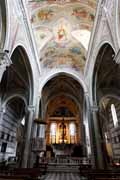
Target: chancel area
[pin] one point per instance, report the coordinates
(60, 89)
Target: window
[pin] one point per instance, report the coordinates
(53, 133)
(3, 147)
(114, 115)
(8, 136)
(2, 135)
(53, 129)
(72, 129)
(23, 121)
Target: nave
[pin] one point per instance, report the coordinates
(62, 176)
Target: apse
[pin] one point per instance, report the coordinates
(62, 110)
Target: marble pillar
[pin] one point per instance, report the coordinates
(88, 123)
(99, 159)
(27, 137)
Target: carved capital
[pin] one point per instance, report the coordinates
(4, 58)
(94, 108)
(31, 108)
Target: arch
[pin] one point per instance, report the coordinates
(14, 95)
(69, 73)
(90, 63)
(26, 62)
(103, 83)
(110, 96)
(67, 95)
(14, 111)
(97, 65)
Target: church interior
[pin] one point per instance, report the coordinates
(59, 89)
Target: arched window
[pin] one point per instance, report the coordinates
(72, 129)
(23, 121)
(114, 115)
(53, 129)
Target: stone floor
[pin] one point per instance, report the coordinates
(62, 176)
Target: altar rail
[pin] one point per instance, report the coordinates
(70, 160)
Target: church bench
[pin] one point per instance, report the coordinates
(31, 172)
(99, 174)
(22, 173)
(16, 177)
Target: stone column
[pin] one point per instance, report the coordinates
(4, 62)
(42, 125)
(35, 126)
(2, 111)
(34, 133)
(88, 128)
(99, 159)
(27, 137)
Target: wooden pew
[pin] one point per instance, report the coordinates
(14, 177)
(99, 174)
(23, 173)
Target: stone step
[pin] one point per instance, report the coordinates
(63, 176)
(62, 168)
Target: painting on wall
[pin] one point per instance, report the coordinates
(62, 31)
(82, 12)
(42, 36)
(70, 57)
(79, 12)
(43, 15)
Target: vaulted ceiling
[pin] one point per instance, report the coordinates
(62, 31)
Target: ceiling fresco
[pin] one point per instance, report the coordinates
(62, 31)
(59, 104)
(55, 55)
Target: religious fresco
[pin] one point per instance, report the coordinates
(56, 56)
(62, 31)
(54, 12)
(42, 36)
(42, 15)
(79, 13)
(37, 3)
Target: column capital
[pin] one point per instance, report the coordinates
(94, 108)
(86, 94)
(31, 108)
(4, 58)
